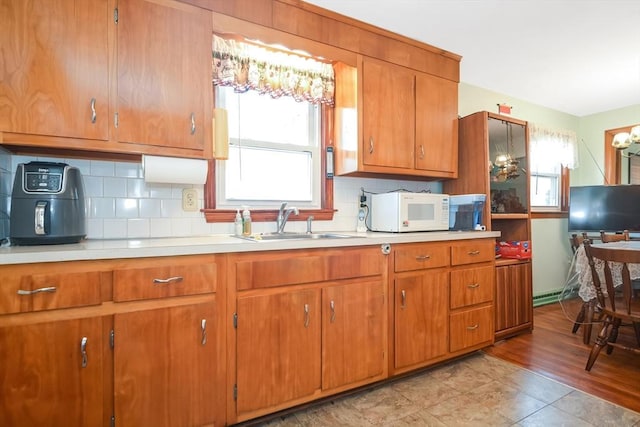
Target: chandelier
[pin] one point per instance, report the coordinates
(623, 140)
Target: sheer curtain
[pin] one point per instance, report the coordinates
(278, 72)
(550, 147)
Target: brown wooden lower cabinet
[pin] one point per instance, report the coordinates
(278, 348)
(51, 374)
(514, 299)
(164, 366)
(421, 317)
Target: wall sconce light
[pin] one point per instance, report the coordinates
(623, 140)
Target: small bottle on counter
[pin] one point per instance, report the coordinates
(246, 221)
(238, 226)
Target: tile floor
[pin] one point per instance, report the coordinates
(479, 390)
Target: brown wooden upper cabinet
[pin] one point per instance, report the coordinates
(408, 121)
(128, 78)
(164, 73)
(54, 79)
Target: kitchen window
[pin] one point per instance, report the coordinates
(279, 110)
(552, 153)
(274, 151)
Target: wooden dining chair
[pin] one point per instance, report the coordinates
(617, 307)
(576, 240)
(614, 237)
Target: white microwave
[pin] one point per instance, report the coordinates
(399, 212)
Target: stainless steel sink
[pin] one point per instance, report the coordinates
(295, 236)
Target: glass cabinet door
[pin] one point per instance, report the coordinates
(508, 167)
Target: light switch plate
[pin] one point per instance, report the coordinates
(189, 200)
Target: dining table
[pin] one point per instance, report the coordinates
(581, 264)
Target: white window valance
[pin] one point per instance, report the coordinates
(245, 66)
(548, 146)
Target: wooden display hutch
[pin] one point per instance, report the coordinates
(492, 161)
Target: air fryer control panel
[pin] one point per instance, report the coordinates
(40, 178)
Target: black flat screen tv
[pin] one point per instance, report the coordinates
(604, 207)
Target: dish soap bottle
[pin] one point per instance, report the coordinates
(238, 227)
(246, 221)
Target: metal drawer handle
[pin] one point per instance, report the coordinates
(94, 116)
(83, 351)
(473, 328)
(332, 306)
(421, 151)
(49, 289)
(473, 286)
(423, 257)
(371, 145)
(474, 253)
(403, 299)
(307, 319)
(193, 123)
(203, 327)
(175, 279)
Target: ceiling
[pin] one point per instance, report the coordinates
(579, 57)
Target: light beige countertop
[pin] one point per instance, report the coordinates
(95, 249)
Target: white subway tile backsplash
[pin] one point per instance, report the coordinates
(121, 205)
(115, 229)
(102, 168)
(136, 188)
(160, 227)
(115, 187)
(138, 227)
(150, 208)
(128, 170)
(102, 207)
(93, 186)
(127, 208)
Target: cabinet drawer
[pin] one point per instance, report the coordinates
(470, 328)
(417, 257)
(291, 268)
(22, 290)
(189, 277)
(470, 251)
(472, 286)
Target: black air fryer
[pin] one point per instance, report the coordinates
(47, 204)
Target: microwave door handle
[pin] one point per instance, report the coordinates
(39, 218)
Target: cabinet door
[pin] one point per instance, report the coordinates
(54, 68)
(353, 327)
(164, 73)
(48, 378)
(165, 365)
(436, 125)
(514, 296)
(278, 348)
(388, 115)
(421, 317)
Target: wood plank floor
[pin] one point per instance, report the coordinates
(553, 351)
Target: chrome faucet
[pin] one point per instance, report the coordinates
(283, 215)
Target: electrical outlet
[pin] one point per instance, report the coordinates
(189, 199)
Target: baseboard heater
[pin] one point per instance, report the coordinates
(548, 298)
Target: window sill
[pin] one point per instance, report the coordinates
(549, 214)
(219, 215)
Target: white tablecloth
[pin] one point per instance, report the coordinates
(587, 292)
